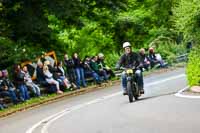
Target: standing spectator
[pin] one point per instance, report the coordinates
(103, 66)
(61, 75)
(7, 89)
(50, 80)
(69, 64)
(20, 83)
(29, 82)
(89, 72)
(79, 71)
(101, 72)
(144, 59)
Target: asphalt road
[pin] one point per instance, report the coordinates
(108, 111)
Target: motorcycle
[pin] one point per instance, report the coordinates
(132, 86)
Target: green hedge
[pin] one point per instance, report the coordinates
(193, 67)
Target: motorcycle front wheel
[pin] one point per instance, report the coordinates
(130, 91)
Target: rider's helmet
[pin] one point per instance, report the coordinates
(126, 44)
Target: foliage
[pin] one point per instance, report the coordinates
(86, 26)
(193, 73)
(186, 19)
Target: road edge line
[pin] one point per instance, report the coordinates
(179, 94)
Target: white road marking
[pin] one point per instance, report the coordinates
(179, 94)
(47, 121)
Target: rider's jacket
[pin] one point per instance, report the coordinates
(129, 60)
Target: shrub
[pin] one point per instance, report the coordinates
(193, 67)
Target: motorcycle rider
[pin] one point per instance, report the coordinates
(129, 60)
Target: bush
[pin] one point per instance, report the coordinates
(193, 66)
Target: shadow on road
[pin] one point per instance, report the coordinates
(155, 96)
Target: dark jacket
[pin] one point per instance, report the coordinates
(8, 83)
(77, 63)
(94, 66)
(40, 75)
(87, 67)
(60, 71)
(152, 57)
(128, 61)
(1, 85)
(143, 57)
(19, 78)
(69, 64)
(101, 64)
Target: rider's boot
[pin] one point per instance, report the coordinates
(141, 90)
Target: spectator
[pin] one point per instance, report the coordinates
(153, 59)
(69, 64)
(103, 66)
(52, 69)
(40, 75)
(50, 80)
(20, 83)
(7, 89)
(79, 71)
(61, 75)
(144, 59)
(42, 80)
(101, 72)
(1, 106)
(29, 83)
(89, 72)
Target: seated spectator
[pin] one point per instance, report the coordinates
(144, 59)
(101, 72)
(89, 72)
(29, 83)
(7, 89)
(20, 83)
(61, 75)
(40, 75)
(80, 77)
(153, 59)
(53, 70)
(42, 80)
(103, 66)
(1, 106)
(50, 80)
(69, 64)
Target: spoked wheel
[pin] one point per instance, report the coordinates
(130, 92)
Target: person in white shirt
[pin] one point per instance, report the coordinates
(50, 80)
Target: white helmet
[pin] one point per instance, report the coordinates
(126, 44)
(101, 55)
